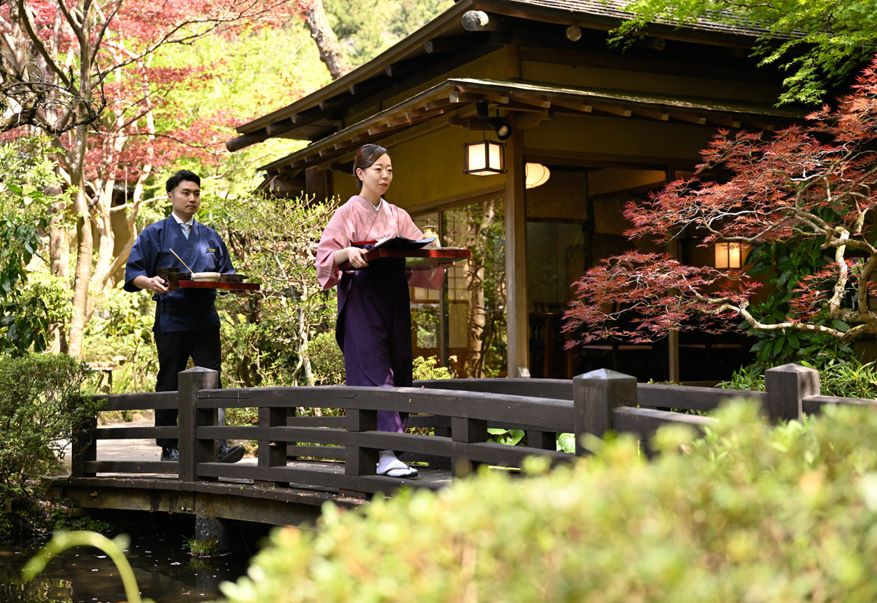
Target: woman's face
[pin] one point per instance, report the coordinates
(377, 177)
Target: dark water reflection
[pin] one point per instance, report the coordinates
(158, 553)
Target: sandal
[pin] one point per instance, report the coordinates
(399, 469)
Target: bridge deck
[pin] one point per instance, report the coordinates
(227, 497)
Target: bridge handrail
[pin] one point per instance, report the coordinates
(460, 411)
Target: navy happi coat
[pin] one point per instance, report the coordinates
(203, 251)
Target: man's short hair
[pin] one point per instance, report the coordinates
(182, 176)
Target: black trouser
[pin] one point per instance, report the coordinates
(174, 351)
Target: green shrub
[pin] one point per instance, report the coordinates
(746, 513)
(326, 359)
(428, 368)
(120, 335)
(849, 378)
(40, 406)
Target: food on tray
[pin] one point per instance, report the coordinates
(206, 276)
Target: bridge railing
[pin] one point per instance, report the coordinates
(453, 417)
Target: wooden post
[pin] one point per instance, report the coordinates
(595, 395)
(83, 448)
(272, 453)
(212, 533)
(192, 450)
(517, 315)
(544, 440)
(466, 431)
(358, 460)
(787, 386)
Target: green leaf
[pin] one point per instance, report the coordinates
(840, 325)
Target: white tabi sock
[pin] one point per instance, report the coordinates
(386, 458)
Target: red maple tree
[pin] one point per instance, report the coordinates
(88, 73)
(816, 180)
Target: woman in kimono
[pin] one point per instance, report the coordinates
(374, 314)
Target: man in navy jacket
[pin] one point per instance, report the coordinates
(186, 321)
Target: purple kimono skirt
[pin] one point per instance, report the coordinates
(374, 331)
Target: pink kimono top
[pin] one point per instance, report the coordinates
(358, 220)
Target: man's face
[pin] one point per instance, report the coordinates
(185, 199)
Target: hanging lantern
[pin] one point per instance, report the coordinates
(484, 158)
(535, 174)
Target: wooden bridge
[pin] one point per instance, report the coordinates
(305, 460)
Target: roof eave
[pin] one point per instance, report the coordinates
(453, 94)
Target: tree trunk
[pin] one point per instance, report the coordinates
(477, 311)
(84, 254)
(327, 42)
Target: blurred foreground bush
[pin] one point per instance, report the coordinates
(746, 513)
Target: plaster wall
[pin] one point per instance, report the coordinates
(428, 171)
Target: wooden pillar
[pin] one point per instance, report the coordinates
(466, 431)
(358, 460)
(272, 453)
(517, 327)
(517, 316)
(318, 183)
(787, 386)
(595, 395)
(212, 534)
(83, 447)
(192, 450)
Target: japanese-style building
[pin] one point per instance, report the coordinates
(581, 128)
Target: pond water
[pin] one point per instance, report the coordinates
(158, 553)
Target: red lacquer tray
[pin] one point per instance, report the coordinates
(417, 259)
(182, 284)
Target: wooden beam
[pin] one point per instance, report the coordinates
(574, 105)
(532, 120)
(478, 20)
(303, 119)
(367, 87)
(690, 118)
(760, 124)
(330, 104)
(613, 110)
(403, 67)
(652, 113)
(727, 121)
(279, 127)
(652, 43)
(236, 144)
(445, 45)
(456, 97)
(539, 102)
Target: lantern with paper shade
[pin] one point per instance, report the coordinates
(484, 158)
(730, 255)
(535, 174)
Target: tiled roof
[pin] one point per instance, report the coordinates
(724, 22)
(308, 119)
